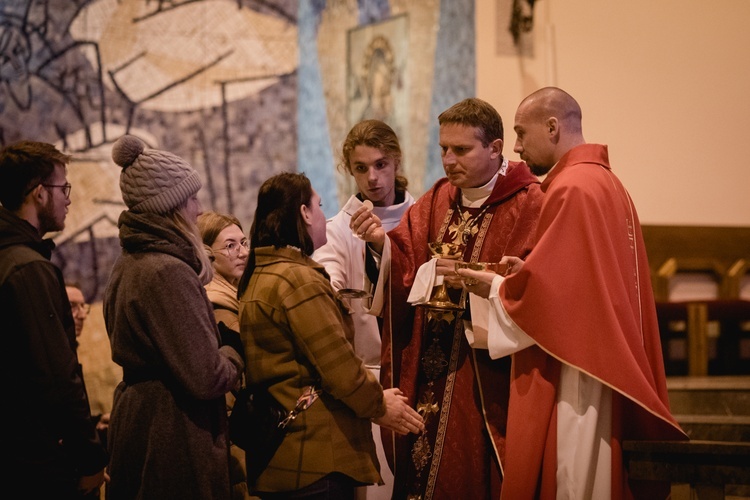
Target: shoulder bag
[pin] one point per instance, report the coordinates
(258, 424)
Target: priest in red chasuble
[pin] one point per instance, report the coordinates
(578, 319)
(486, 207)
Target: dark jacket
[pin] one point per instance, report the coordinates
(49, 434)
(168, 433)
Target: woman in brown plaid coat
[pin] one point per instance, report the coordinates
(297, 333)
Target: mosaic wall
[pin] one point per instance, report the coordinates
(242, 89)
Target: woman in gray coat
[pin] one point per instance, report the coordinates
(168, 429)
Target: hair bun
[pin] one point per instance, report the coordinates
(127, 149)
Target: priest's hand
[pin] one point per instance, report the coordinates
(480, 282)
(514, 264)
(447, 268)
(476, 282)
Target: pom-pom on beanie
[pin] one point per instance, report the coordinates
(152, 180)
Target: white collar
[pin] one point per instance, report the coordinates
(474, 197)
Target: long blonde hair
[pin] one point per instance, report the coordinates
(191, 232)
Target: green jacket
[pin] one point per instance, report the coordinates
(296, 331)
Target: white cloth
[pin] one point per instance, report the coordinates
(584, 405)
(374, 491)
(584, 453)
(424, 281)
(384, 273)
(488, 315)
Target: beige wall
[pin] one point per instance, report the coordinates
(665, 83)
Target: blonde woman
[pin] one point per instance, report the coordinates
(168, 433)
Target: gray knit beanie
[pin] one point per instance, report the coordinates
(152, 180)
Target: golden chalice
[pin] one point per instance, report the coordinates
(440, 298)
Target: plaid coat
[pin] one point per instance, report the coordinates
(296, 331)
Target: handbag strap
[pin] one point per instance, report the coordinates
(308, 397)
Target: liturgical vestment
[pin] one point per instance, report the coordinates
(580, 311)
(461, 393)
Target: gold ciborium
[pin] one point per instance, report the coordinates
(440, 298)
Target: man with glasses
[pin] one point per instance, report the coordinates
(95, 357)
(53, 447)
(78, 306)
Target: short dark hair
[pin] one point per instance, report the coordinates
(278, 221)
(23, 166)
(474, 112)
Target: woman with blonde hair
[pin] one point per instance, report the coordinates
(168, 433)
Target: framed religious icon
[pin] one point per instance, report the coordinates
(377, 72)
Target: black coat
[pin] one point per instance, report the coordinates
(49, 433)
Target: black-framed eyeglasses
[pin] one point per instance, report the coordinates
(76, 306)
(233, 248)
(65, 187)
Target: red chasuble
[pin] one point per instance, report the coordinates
(584, 295)
(461, 392)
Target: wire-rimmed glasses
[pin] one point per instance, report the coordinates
(234, 248)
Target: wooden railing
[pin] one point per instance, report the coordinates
(722, 253)
(710, 335)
